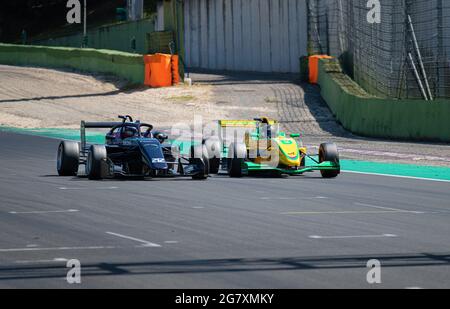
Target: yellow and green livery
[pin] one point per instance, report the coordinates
(245, 147)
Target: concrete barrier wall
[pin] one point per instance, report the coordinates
(125, 65)
(113, 37)
(366, 115)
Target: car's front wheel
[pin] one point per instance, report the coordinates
(329, 153)
(199, 158)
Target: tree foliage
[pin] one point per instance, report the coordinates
(43, 16)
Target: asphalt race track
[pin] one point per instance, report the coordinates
(294, 232)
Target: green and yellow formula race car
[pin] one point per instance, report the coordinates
(246, 147)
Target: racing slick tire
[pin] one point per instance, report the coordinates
(96, 157)
(213, 149)
(329, 152)
(202, 161)
(68, 158)
(236, 157)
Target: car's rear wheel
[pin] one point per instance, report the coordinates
(329, 153)
(199, 158)
(68, 158)
(236, 158)
(214, 152)
(96, 158)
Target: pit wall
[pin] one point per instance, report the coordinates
(125, 65)
(371, 116)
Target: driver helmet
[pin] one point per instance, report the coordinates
(128, 132)
(160, 136)
(273, 129)
(268, 131)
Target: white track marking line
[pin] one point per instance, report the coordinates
(55, 260)
(321, 197)
(388, 208)
(56, 249)
(43, 212)
(60, 259)
(382, 210)
(390, 154)
(346, 212)
(144, 242)
(396, 176)
(88, 188)
(353, 236)
(171, 242)
(293, 198)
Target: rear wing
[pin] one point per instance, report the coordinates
(238, 123)
(243, 123)
(235, 125)
(94, 125)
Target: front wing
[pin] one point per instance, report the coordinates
(311, 166)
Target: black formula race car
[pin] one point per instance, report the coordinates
(132, 149)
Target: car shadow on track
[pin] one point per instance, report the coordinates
(310, 176)
(269, 176)
(77, 96)
(121, 179)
